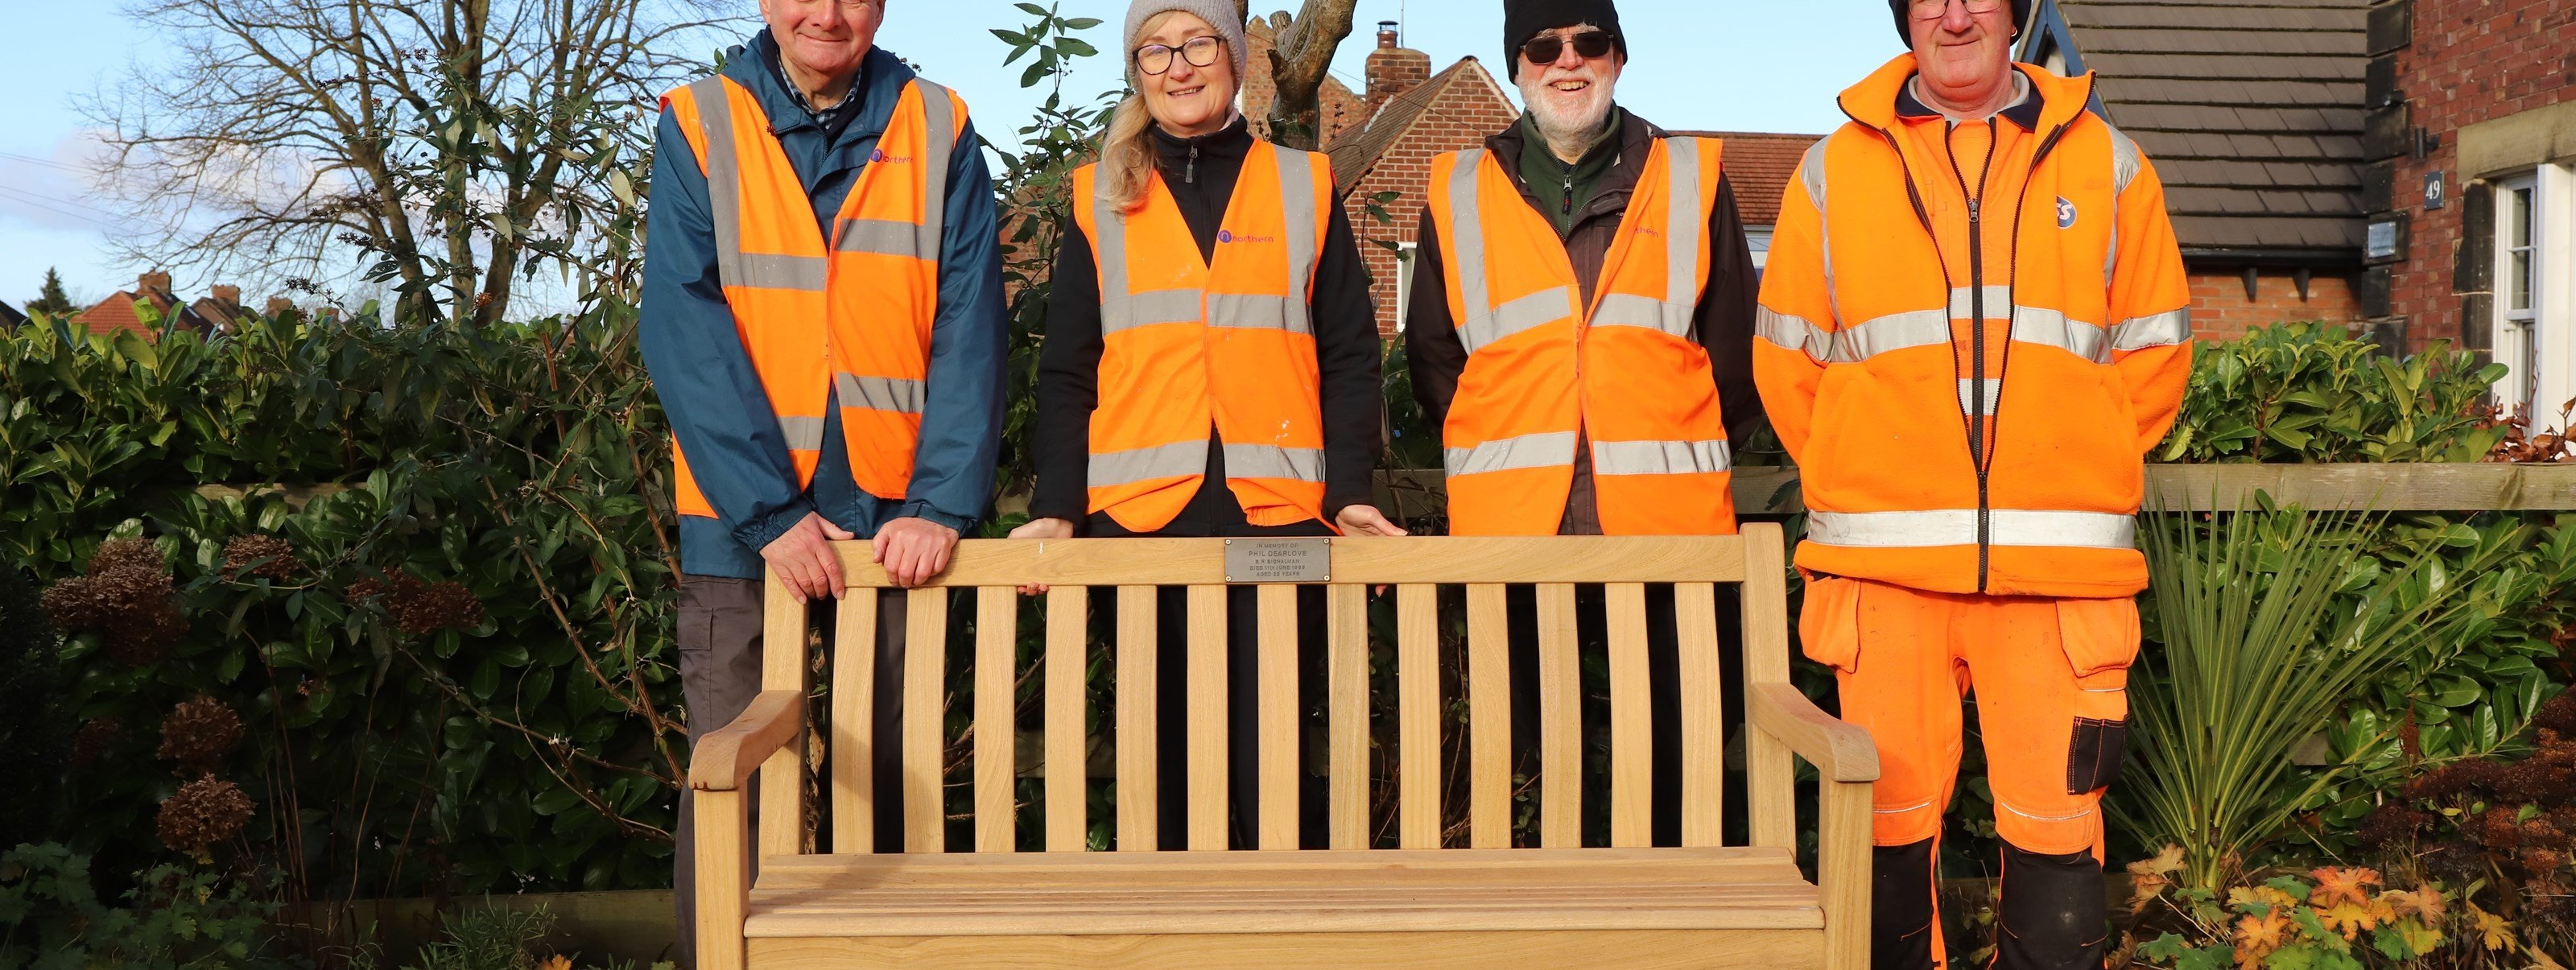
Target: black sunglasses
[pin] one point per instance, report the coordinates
(1591, 45)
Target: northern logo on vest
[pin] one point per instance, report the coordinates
(1228, 236)
(880, 156)
(2065, 213)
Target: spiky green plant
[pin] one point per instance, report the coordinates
(2270, 622)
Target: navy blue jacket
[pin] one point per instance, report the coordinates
(705, 378)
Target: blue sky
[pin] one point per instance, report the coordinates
(1735, 65)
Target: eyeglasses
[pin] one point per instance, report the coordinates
(1934, 9)
(1591, 45)
(1199, 51)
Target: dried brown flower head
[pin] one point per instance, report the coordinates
(202, 813)
(280, 563)
(198, 733)
(423, 608)
(93, 739)
(126, 598)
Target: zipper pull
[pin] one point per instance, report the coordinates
(1972, 211)
(1567, 208)
(1192, 176)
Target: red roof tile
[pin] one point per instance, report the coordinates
(1760, 166)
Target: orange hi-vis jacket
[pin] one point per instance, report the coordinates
(1545, 372)
(1188, 345)
(1970, 336)
(847, 318)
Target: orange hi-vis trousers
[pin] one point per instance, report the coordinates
(2050, 677)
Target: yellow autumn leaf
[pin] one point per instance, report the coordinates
(2341, 885)
(2493, 930)
(2348, 919)
(556, 962)
(2164, 863)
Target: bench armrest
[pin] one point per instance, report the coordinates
(1840, 751)
(724, 761)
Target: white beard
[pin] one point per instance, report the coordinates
(1568, 135)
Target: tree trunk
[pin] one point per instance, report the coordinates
(1299, 63)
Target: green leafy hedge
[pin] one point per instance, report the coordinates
(453, 675)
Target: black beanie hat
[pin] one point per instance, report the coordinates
(1524, 19)
(1905, 31)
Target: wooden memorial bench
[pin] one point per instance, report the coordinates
(1428, 893)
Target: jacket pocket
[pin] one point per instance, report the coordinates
(1829, 622)
(2100, 637)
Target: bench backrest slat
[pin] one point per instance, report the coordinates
(1068, 660)
(997, 640)
(1418, 715)
(852, 750)
(1139, 715)
(1420, 711)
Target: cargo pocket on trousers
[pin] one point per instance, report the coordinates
(1829, 622)
(2100, 637)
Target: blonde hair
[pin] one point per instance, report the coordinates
(1127, 148)
(1127, 155)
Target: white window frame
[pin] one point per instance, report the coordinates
(1403, 282)
(1758, 238)
(2537, 342)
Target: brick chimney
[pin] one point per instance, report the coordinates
(228, 295)
(1392, 69)
(155, 281)
(278, 305)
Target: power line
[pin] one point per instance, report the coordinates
(12, 195)
(33, 160)
(40, 194)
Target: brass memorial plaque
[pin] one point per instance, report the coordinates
(1278, 560)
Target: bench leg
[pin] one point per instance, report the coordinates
(724, 877)
(1843, 871)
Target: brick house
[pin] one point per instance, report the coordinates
(2471, 184)
(206, 315)
(2251, 115)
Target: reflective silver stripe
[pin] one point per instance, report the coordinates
(1998, 302)
(881, 393)
(802, 434)
(940, 116)
(1271, 461)
(1631, 310)
(1545, 450)
(1660, 457)
(1253, 312)
(2049, 328)
(1537, 309)
(2159, 330)
(1958, 527)
(771, 271)
(1147, 464)
(1895, 331)
(2125, 160)
(1468, 238)
(1682, 233)
(1144, 309)
(1297, 195)
(1969, 403)
(1812, 170)
(1793, 333)
(885, 237)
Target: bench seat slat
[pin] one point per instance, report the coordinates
(1361, 891)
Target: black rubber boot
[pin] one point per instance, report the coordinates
(2055, 914)
(1901, 907)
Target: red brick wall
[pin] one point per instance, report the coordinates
(2220, 310)
(2467, 61)
(1462, 116)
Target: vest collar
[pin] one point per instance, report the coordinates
(1878, 101)
(2024, 109)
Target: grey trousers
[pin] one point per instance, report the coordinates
(719, 639)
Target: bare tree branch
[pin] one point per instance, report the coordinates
(440, 149)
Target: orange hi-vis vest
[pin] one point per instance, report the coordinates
(1970, 383)
(1545, 372)
(1188, 345)
(844, 319)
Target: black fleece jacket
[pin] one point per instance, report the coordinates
(1200, 173)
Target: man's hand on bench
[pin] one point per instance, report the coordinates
(804, 559)
(914, 551)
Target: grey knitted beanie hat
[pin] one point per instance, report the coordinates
(1218, 13)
